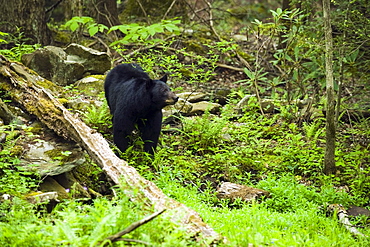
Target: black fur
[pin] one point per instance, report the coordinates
(135, 99)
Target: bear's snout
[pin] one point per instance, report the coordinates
(172, 99)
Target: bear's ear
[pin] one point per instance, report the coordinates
(164, 78)
(149, 83)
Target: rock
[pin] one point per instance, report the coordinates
(94, 62)
(50, 63)
(182, 107)
(68, 181)
(244, 101)
(203, 106)
(356, 211)
(233, 191)
(65, 66)
(91, 85)
(268, 105)
(50, 185)
(193, 97)
(52, 158)
(42, 197)
(240, 38)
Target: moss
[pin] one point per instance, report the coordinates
(49, 85)
(90, 174)
(62, 37)
(63, 101)
(50, 107)
(195, 45)
(35, 128)
(16, 151)
(246, 56)
(100, 77)
(57, 154)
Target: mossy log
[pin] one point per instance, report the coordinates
(21, 84)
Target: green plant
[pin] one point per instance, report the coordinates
(98, 117)
(82, 23)
(14, 178)
(77, 224)
(3, 40)
(18, 46)
(136, 33)
(203, 133)
(133, 32)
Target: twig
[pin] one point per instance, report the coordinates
(211, 21)
(133, 226)
(142, 9)
(53, 6)
(169, 9)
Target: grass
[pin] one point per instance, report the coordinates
(261, 151)
(74, 223)
(298, 221)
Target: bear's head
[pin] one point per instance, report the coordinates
(161, 93)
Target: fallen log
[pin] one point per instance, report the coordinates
(22, 84)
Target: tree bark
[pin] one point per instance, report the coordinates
(329, 159)
(29, 16)
(21, 83)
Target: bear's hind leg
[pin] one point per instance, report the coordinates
(121, 133)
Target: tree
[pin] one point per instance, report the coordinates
(27, 17)
(329, 162)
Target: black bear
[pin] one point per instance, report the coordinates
(136, 100)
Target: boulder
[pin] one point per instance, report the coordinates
(50, 63)
(193, 97)
(65, 66)
(203, 106)
(49, 158)
(233, 191)
(94, 62)
(91, 85)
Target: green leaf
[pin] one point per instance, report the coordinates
(249, 73)
(93, 29)
(74, 26)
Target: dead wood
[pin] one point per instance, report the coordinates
(22, 85)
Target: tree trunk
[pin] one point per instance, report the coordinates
(29, 16)
(21, 83)
(329, 161)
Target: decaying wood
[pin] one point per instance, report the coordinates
(21, 83)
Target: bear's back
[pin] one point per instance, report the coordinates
(126, 72)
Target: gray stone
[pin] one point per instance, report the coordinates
(233, 191)
(46, 158)
(64, 67)
(94, 62)
(91, 85)
(203, 106)
(193, 97)
(49, 62)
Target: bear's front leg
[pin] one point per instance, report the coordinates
(150, 130)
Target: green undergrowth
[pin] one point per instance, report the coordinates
(263, 151)
(74, 223)
(270, 153)
(294, 214)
